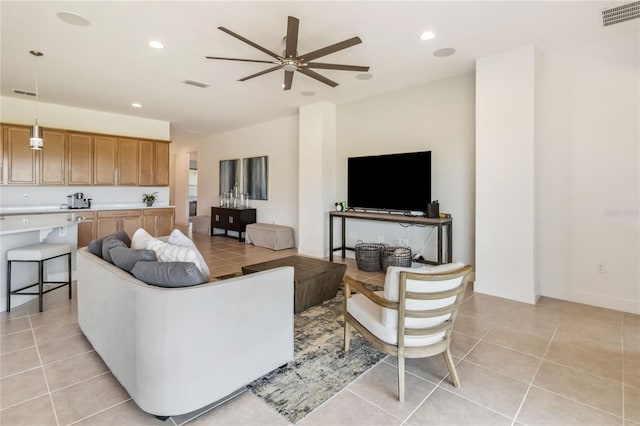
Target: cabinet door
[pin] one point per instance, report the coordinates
(86, 228)
(104, 166)
(127, 162)
(145, 164)
(131, 224)
(107, 225)
(149, 224)
(79, 159)
(2, 168)
(21, 160)
(53, 158)
(161, 166)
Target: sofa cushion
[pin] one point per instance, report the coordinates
(178, 238)
(140, 238)
(95, 246)
(168, 274)
(125, 258)
(108, 244)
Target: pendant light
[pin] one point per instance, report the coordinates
(35, 138)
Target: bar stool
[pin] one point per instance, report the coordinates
(39, 253)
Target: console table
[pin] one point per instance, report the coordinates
(231, 219)
(397, 218)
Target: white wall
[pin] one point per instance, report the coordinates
(277, 139)
(505, 137)
(438, 117)
(588, 173)
(19, 111)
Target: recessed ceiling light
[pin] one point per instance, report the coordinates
(73, 18)
(156, 44)
(427, 35)
(442, 53)
(365, 76)
(136, 105)
(307, 93)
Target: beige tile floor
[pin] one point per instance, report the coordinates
(555, 363)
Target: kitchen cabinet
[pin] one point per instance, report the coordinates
(128, 162)
(79, 159)
(104, 157)
(154, 163)
(110, 221)
(231, 219)
(53, 158)
(158, 222)
(2, 168)
(20, 159)
(86, 228)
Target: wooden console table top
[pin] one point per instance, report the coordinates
(392, 217)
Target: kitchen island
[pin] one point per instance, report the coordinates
(21, 230)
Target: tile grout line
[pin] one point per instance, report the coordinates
(526, 394)
(98, 412)
(44, 374)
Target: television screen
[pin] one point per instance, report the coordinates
(398, 182)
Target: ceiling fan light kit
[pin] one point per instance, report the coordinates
(291, 62)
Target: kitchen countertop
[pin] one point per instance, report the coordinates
(35, 222)
(94, 208)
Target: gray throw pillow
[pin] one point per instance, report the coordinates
(95, 246)
(107, 244)
(168, 274)
(126, 258)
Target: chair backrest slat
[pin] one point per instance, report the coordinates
(428, 330)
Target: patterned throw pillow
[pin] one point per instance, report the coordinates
(178, 238)
(166, 252)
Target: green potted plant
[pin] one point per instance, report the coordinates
(150, 198)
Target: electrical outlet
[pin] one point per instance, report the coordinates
(601, 268)
(26, 196)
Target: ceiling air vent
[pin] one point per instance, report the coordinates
(616, 15)
(24, 92)
(196, 83)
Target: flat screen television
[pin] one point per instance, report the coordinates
(397, 182)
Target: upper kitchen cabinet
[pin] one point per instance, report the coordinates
(79, 159)
(154, 163)
(104, 166)
(128, 162)
(53, 157)
(19, 158)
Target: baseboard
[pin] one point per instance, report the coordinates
(615, 303)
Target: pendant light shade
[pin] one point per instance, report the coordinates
(35, 139)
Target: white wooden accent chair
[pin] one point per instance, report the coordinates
(412, 317)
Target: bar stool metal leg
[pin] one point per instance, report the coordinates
(69, 265)
(9, 287)
(40, 283)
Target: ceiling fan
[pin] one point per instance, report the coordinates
(290, 61)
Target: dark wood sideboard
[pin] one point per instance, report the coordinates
(231, 219)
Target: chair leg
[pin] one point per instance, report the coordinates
(40, 283)
(401, 378)
(69, 266)
(347, 335)
(9, 287)
(452, 368)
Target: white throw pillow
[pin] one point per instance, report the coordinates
(140, 238)
(178, 238)
(166, 252)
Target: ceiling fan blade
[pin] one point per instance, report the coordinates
(243, 60)
(330, 49)
(260, 73)
(317, 76)
(288, 79)
(292, 37)
(337, 67)
(249, 42)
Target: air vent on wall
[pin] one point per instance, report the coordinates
(196, 83)
(616, 15)
(24, 92)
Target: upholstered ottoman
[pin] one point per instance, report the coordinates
(314, 280)
(201, 225)
(275, 237)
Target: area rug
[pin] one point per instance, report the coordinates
(321, 368)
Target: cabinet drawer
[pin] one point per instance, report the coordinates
(119, 213)
(158, 212)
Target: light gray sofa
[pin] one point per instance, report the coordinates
(179, 349)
